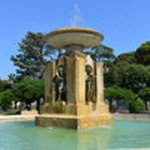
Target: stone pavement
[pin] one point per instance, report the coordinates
(132, 116)
(16, 117)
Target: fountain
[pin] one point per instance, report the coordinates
(74, 96)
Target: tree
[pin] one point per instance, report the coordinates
(135, 77)
(116, 93)
(145, 95)
(126, 58)
(6, 98)
(31, 59)
(12, 78)
(29, 90)
(4, 85)
(110, 75)
(142, 54)
(114, 75)
(137, 106)
(101, 53)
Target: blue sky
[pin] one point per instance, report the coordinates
(124, 23)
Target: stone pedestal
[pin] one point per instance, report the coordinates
(73, 121)
(74, 94)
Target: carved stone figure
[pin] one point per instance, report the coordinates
(90, 90)
(60, 84)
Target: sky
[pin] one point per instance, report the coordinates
(124, 23)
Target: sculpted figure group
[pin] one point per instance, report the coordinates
(60, 84)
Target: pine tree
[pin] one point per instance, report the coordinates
(31, 59)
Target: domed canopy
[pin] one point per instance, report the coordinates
(77, 37)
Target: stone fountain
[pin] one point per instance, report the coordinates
(74, 88)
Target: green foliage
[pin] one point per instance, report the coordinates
(112, 93)
(12, 78)
(130, 76)
(145, 94)
(101, 53)
(143, 54)
(128, 58)
(10, 112)
(135, 77)
(113, 75)
(4, 85)
(137, 106)
(110, 75)
(31, 58)
(29, 90)
(6, 97)
(122, 64)
(118, 93)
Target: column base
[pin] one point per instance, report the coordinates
(72, 121)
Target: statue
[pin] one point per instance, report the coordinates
(60, 84)
(90, 88)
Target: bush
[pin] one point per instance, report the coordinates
(10, 112)
(137, 106)
(6, 98)
(29, 90)
(118, 94)
(145, 95)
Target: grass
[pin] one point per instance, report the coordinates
(10, 112)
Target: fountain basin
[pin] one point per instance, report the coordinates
(123, 134)
(77, 37)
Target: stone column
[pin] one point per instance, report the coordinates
(49, 85)
(99, 82)
(76, 78)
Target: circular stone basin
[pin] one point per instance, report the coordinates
(74, 36)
